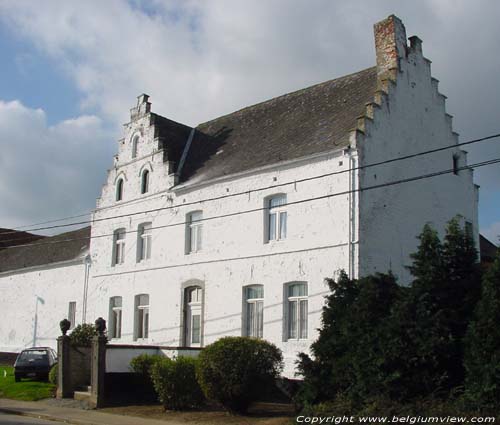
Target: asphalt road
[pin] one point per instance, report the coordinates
(6, 419)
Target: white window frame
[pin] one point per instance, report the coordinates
(276, 218)
(296, 313)
(119, 246)
(253, 322)
(141, 325)
(193, 305)
(194, 232)
(115, 317)
(144, 241)
(72, 314)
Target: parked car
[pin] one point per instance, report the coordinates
(35, 363)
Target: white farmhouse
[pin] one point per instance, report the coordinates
(231, 227)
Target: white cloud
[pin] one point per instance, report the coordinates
(45, 170)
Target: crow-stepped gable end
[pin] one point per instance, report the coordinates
(231, 226)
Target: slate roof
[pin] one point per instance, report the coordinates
(9, 237)
(309, 121)
(487, 249)
(63, 247)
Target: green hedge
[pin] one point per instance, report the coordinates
(175, 383)
(234, 370)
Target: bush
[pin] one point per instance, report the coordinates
(82, 335)
(175, 383)
(234, 370)
(141, 365)
(53, 374)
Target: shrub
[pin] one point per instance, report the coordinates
(53, 374)
(82, 335)
(234, 370)
(141, 365)
(175, 383)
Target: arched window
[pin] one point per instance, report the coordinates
(296, 310)
(145, 181)
(144, 239)
(276, 218)
(135, 141)
(115, 317)
(193, 322)
(119, 190)
(141, 328)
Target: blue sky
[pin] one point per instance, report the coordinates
(71, 70)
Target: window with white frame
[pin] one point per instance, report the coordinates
(72, 314)
(144, 240)
(145, 182)
(119, 246)
(141, 316)
(194, 232)
(296, 310)
(276, 218)
(193, 322)
(253, 310)
(115, 317)
(119, 189)
(135, 142)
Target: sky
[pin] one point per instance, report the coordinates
(71, 70)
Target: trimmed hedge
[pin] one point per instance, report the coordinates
(234, 370)
(175, 383)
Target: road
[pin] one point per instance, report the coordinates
(6, 419)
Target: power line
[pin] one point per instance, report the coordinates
(246, 192)
(301, 201)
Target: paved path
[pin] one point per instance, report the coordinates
(68, 415)
(6, 419)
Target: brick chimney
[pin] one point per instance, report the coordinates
(390, 46)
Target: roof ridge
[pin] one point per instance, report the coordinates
(293, 93)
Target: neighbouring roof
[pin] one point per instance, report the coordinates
(64, 247)
(309, 121)
(9, 237)
(487, 249)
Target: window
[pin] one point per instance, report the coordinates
(72, 314)
(119, 190)
(115, 317)
(141, 316)
(296, 310)
(144, 239)
(135, 142)
(277, 217)
(456, 164)
(145, 182)
(194, 231)
(193, 316)
(119, 247)
(253, 310)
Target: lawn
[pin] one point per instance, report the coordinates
(25, 390)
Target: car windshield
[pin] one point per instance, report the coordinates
(33, 355)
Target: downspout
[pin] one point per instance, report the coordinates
(85, 288)
(349, 223)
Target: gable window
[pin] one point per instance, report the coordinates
(141, 328)
(115, 317)
(135, 142)
(193, 297)
(253, 310)
(276, 218)
(119, 246)
(72, 314)
(144, 239)
(296, 310)
(119, 190)
(145, 182)
(456, 164)
(193, 231)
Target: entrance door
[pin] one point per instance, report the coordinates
(193, 319)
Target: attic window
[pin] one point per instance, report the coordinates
(119, 190)
(145, 182)
(455, 164)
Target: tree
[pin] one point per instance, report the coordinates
(482, 348)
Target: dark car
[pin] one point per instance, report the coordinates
(34, 362)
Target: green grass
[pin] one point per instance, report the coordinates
(26, 389)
